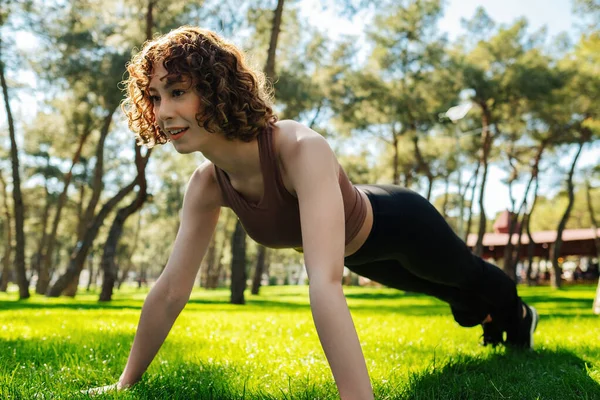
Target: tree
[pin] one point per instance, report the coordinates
(108, 263)
(259, 269)
(88, 55)
(404, 88)
(238, 265)
(238, 241)
(583, 105)
(79, 254)
(19, 208)
(272, 52)
(502, 73)
(591, 211)
(48, 249)
(7, 233)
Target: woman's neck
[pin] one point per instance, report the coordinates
(238, 159)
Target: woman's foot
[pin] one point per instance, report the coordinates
(521, 333)
(493, 335)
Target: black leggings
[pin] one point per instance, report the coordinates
(412, 248)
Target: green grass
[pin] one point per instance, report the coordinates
(269, 349)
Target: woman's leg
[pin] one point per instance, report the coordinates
(466, 310)
(409, 230)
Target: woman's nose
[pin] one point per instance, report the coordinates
(165, 111)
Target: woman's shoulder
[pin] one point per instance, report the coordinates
(298, 145)
(203, 187)
(290, 136)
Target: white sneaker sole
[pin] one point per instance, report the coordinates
(534, 321)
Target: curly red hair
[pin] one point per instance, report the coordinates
(235, 98)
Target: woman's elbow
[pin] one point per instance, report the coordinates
(325, 286)
(173, 299)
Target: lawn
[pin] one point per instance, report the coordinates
(268, 349)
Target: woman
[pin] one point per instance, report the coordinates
(195, 90)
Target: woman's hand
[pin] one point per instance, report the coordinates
(105, 389)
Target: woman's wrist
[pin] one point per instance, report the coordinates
(125, 382)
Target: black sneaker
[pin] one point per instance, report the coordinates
(492, 334)
(521, 336)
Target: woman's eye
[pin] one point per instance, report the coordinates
(177, 93)
(154, 99)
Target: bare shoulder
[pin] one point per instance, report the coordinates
(302, 151)
(203, 191)
(294, 138)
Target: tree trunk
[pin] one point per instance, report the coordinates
(129, 262)
(44, 275)
(238, 264)
(209, 263)
(108, 263)
(80, 224)
(88, 219)
(395, 167)
(590, 208)
(36, 262)
(597, 300)
(446, 194)
(80, 252)
(531, 245)
(467, 229)
(92, 272)
(17, 196)
(6, 264)
(423, 166)
(260, 267)
(142, 275)
(97, 184)
(522, 208)
(513, 218)
(516, 255)
(591, 211)
(485, 152)
(556, 282)
(150, 18)
(213, 278)
(275, 29)
(512, 223)
(508, 250)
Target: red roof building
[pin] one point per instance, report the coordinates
(575, 241)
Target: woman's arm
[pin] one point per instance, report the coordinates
(201, 207)
(313, 169)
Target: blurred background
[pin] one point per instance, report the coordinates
(487, 108)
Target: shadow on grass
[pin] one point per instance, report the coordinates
(561, 301)
(59, 367)
(76, 305)
(511, 375)
(559, 304)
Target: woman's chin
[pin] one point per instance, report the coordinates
(181, 148)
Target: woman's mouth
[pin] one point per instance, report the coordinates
(176, 134)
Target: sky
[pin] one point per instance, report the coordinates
(555, 15)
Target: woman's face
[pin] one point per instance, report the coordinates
(176, 105)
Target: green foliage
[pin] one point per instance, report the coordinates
(268, 349)
(590, 10)
(548, 212)
(373, 110)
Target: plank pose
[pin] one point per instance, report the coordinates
(195, 90)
